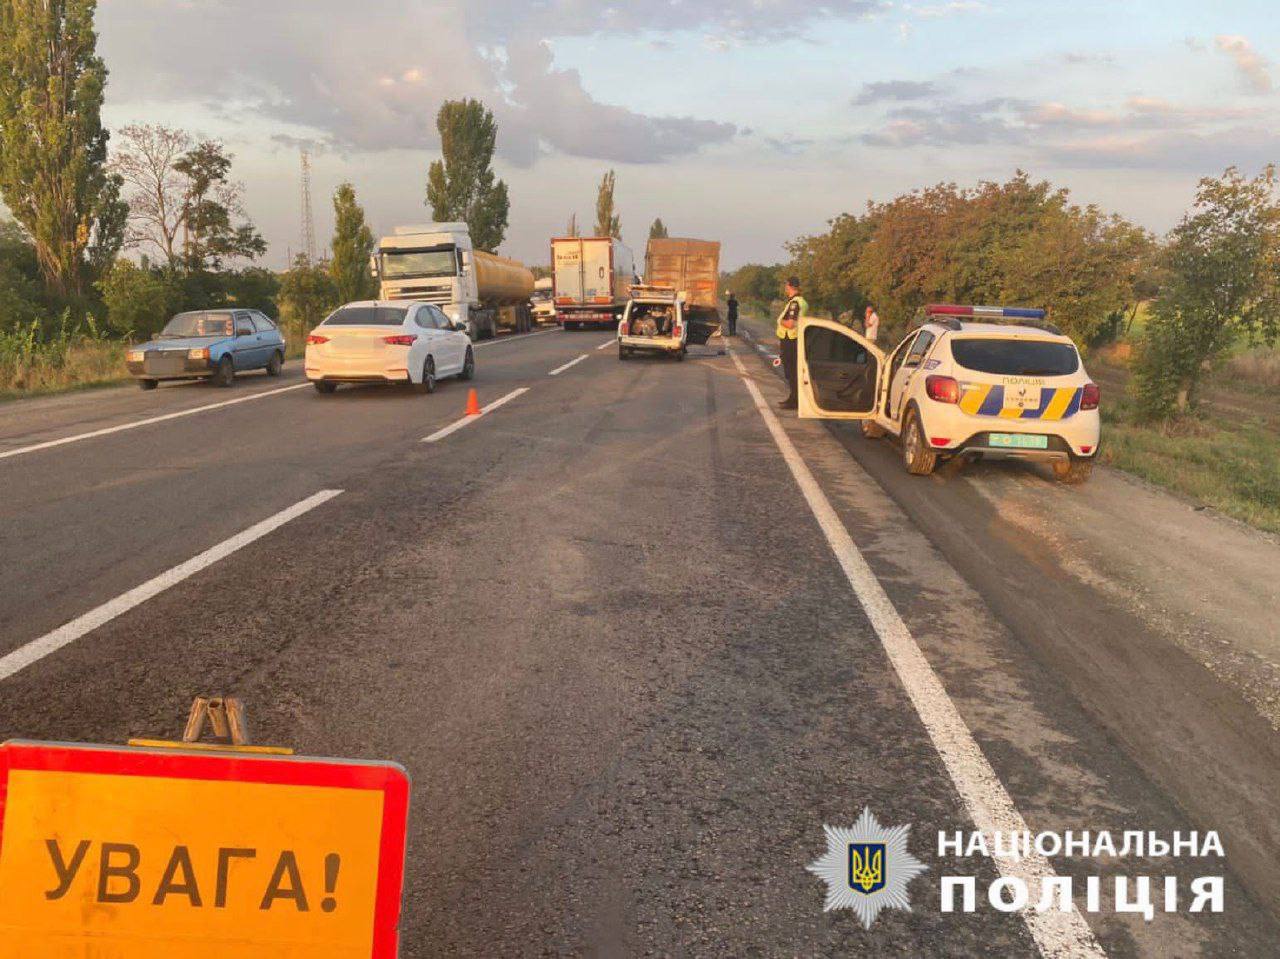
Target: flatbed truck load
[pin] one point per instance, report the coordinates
(592, 278)
(435, 263)
(692, 269)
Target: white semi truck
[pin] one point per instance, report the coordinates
(435, 263)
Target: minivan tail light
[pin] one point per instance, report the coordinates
(403, 340)
(315, 339)
(942, 389)
(623, 326)
(1090, 397)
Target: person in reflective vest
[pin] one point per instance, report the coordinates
(788, 329)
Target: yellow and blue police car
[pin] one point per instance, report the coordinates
(975, 381)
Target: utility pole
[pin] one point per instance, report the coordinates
(308, 221)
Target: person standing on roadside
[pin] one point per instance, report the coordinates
(731, 312)
(871, 324)
(788, 329)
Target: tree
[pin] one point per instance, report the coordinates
(139, 300)
(572, 228)
(352, 247)
(53, 147)
(658, 230)
(210, 202)
(146, 162)
(307, 291)
(461, 184)
(608, 223)
(1222, 282)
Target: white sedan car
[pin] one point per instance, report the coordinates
(387, 341)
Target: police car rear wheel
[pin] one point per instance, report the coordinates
(1072, 471)
(916, 456)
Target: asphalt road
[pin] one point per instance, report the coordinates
(604, 632)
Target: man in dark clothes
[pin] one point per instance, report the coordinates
(731, 313)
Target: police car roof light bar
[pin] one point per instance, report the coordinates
(1007, 312)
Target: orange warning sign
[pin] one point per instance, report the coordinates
(143, 854)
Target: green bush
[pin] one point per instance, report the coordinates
(139, 299)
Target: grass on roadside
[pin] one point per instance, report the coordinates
(31, 364)
(1229, 463)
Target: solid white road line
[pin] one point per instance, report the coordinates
(49, 444)
(606, 343)
(459, 424)
(1060, 935)
(574, 362)
(68, 633)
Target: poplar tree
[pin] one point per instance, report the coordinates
(461, 184)
(352, 247)
(608, 223)
(53, 147)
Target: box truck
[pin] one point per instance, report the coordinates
(592, 278)
(435, 263)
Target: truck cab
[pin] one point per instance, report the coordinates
(435, 263)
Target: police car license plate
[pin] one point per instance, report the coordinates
(1019, 441)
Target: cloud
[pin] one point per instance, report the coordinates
(1087, 59)
(571, 121)
(993, 121)
(882, 90)
(939, 11)
(1251, 65)
(1246, 147)
(334, 73)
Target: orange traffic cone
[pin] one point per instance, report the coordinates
(473, 403)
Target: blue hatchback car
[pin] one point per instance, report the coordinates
(209, 344)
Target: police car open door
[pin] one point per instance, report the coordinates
(839, 372)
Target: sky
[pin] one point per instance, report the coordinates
(749, 122)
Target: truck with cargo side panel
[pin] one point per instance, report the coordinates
(435, 263)
(692, 269)
(592, 280)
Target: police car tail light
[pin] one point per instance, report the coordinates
(315, 339)
(942, 389)
(1090, 397)
(404, 340)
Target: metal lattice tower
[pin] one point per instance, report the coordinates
(308, 220)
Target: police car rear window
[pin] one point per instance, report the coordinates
(367, 316)
(1015, 357)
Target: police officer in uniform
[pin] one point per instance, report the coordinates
(788, 329)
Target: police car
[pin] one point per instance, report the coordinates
(978, 381)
